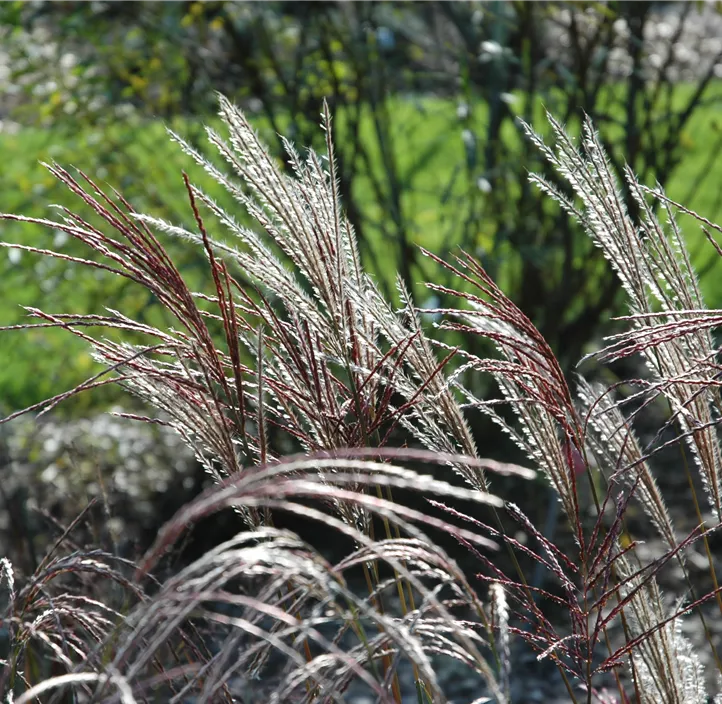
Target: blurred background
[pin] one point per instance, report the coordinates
(425, 98)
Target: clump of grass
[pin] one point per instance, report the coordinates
(295, 339)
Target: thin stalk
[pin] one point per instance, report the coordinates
(388, 663)
(378, 604)
(421, 688)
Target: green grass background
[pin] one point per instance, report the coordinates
(135, 156)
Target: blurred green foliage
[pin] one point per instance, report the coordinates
(425, 99)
